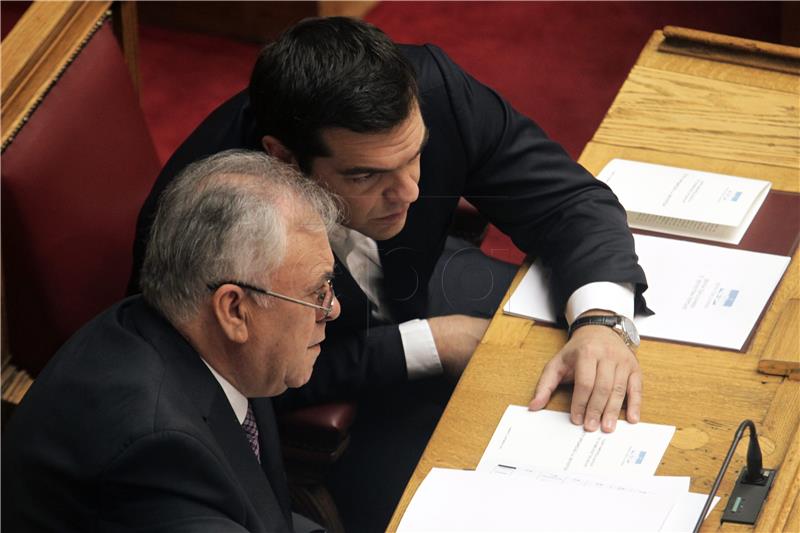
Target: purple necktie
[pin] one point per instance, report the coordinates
(251, 431)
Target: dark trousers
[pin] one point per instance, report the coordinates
(393, 427)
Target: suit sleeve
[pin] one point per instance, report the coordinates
(169, 481)
(530, 188)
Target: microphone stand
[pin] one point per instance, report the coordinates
(754, 482)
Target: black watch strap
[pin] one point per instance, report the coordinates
(593, 320)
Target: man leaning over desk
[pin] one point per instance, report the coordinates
(400, 133)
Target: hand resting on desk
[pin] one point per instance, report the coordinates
(603, 370)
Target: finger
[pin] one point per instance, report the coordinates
(553, 373)
(618, 390)
(634, 396)
(585, 370)
(603, 383)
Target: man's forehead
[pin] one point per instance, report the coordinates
(309, 256)
(374, 146)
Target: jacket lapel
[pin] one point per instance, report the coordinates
(203, 391)
(233, 442)
(271, 456)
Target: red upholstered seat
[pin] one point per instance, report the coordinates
(325, 426)
(73, 180)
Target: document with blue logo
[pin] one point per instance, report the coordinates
(701, 294)
(539, 468)
(689, 203)
(533, 440)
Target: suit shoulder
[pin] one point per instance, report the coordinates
(432, 65)
(109, 377)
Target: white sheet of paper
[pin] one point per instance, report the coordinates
(685, 202)
(684, 515)
(462, 500)
(700, 294)
(547, 440)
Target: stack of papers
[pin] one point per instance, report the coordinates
(542, 473)
(527, 440)
(690, 203)
(701, 294)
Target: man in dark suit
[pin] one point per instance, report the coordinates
(400, 133)
(156, 415)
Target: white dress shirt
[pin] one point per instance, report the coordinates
(237, 400)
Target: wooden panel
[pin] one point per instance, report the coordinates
(781, 355)
(37, 49)
(780, 513)
(715, 70)
(596, 155)
(729, 49)
(726, 120)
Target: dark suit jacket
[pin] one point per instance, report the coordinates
(479, 148)
(127, 429)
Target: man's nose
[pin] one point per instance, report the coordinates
(405, 189)
(336, 311)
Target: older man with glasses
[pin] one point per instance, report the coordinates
(325, 297)
(156, 416)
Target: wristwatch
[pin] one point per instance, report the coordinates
(622, 325)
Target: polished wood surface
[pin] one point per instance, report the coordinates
(697, 113)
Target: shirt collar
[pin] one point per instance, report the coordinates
(237, 400)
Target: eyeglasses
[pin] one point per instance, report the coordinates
(325, 296)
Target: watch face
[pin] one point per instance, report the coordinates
(630, 330)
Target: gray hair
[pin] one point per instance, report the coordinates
(226, 217)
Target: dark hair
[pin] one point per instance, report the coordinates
(329, 72)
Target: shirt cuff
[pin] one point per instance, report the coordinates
(422, 358)
(615, 297)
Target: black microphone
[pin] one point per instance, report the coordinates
(752, 486)
(753, 469)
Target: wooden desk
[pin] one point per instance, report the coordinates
(697, 113)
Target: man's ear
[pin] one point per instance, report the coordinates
(276, 148)
(232, 312)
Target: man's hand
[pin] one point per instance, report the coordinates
(603, 369)
(456, 337)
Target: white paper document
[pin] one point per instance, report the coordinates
(542, 473)
(700, 294)
(681, 519)
(687, 510)
(462, 500)
(535, 440)
(690, 203)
